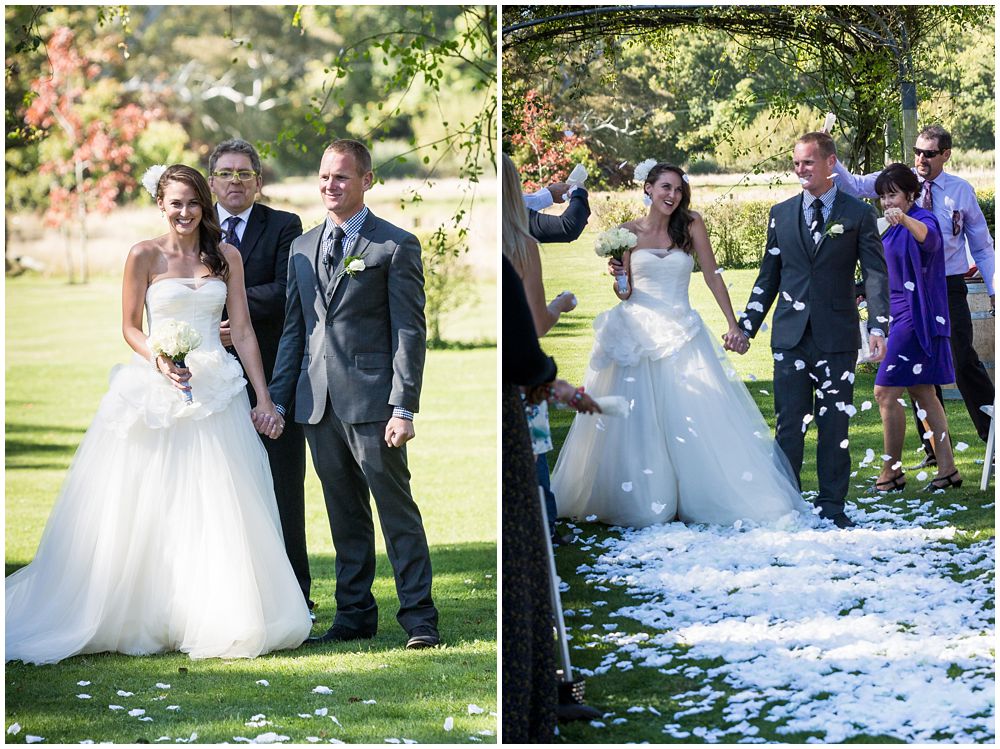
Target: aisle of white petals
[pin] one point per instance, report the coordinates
(884, 629)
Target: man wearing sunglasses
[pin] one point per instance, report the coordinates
(964, 229)
(263, 236)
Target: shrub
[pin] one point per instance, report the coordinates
(614, 210)
(987, 201)
(737, 230)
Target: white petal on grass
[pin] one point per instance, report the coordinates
(146, 719)
(13, 729)
(116, 707)
(270, 738)
(263, 682)
(961, 447)
(123, 693)
(136, 712)
(368, 702)
(475, 710)
(866, 405)
(83, 683)
(29, 739)
(161, 685)
(173, 707)
(322, 690)
(83, 696)
(322, 711)
(922, 476)
(449, 723)
(334, 719)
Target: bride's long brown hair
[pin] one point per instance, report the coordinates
(679, 227)
(209, 230)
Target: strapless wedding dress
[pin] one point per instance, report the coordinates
(694, 446)
(165, 535)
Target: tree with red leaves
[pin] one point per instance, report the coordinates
(89, 131)
(547, 150)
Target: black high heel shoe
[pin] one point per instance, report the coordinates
(950, 479)
(895, 484)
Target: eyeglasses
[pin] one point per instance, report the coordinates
(926, 153)
(244, 175)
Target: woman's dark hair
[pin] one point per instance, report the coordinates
(898, 178)
(680, 220)
(209, 231)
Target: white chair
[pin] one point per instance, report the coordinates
(990, 448)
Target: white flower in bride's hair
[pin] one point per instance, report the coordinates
(642, 170)
(151, 178)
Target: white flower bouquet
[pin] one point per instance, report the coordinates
(613, 243)
(175, 339)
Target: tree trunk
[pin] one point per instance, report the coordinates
(81, 212)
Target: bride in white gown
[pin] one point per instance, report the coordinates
(694, 446)
(165, 535)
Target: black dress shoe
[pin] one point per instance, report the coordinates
(340, 633)
(842, 521)
(423, 637)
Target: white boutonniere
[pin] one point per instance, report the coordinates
(353, 265)
(834, 230)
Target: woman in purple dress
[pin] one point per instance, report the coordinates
(918, 353)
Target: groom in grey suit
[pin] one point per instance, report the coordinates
(815, 241)
(352, 352)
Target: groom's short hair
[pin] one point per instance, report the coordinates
(357, 149)
(823, 141)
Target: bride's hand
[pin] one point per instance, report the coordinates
(267, 420)
(734, 340)
(179, 376)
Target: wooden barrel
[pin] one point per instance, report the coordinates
(983, 332)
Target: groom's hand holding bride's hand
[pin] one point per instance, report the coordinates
(735, 340)
(267, 421)
(398, 431)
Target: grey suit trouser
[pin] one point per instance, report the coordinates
(350, 460)
(799, 391)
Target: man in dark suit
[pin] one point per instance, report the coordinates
(352, 353)
(815, 242)
(263, 236)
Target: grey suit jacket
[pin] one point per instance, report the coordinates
(822, 281)
(362, 339)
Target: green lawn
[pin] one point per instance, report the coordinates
(61, 341)
(575, 268)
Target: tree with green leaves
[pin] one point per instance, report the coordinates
(861, 62)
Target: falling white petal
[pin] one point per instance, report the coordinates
(774, 251)
(626, 486)
(910, 286)
(844, 443)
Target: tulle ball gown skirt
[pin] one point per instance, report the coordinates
(165, 536)
(694, 446)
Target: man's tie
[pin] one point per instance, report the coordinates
(816, 227)
(231, 236)
(333, 252)
(928, 201)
